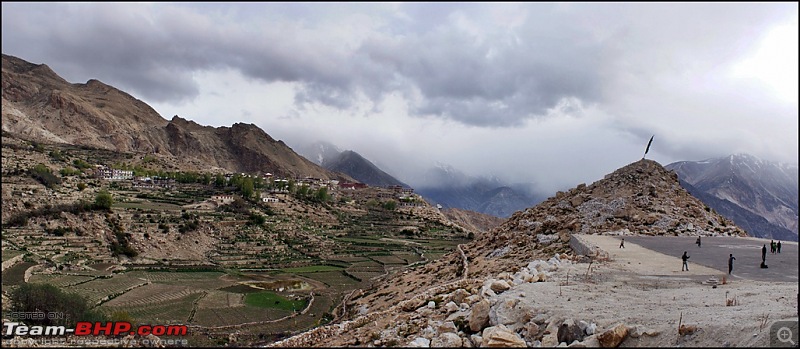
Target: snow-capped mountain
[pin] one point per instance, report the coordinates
(760, 196)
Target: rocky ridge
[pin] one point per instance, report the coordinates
(455, 301)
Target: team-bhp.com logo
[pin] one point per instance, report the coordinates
(86, 328)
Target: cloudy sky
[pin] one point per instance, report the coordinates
(551, 93)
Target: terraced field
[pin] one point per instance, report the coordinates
(60, 280)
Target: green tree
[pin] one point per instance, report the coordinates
(247, 187)
(322, 194)
(291, 186)
(103, 200)
(390, 205)
(219, 180)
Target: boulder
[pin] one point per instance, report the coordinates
(451, 307)
(639, 330)
(448, 326)
(420, 342)
(501, 336)
(447, 340)
(459, 295)
(569, 332)
(499, 286)
(479, 317)
(476, 339)
(613, 337)
(591, 342)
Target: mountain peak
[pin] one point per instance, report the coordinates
(759, 195)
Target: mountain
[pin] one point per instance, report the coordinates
(446, 186)
(348, 162)
(760, 196)
(319, 152)
(640, 198)
(38, 105)
(356, 166)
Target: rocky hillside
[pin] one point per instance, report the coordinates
(760, 196)
(640, 198)
(38, 105)
(475, 221)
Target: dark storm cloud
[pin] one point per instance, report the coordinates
(476, 63)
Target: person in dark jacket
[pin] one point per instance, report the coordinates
(685, 262)
(779, 247)
(764, 254)
(730, 263)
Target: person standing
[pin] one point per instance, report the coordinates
(764, 254)
(685, 262)
(698, 241)
(622, 243)
(772, 246)
(779, 246)
(730, 263)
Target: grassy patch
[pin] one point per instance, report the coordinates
(271, 300)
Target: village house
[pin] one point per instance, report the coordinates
(113, 174)
(222, 199)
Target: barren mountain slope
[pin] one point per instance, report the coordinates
(40, 106)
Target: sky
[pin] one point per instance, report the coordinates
(554, 94)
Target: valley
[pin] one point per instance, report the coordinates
(202, 254)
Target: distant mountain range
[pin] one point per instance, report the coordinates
(451, 188)
(440, 185)
(759, 196)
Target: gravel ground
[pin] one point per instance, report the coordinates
(646, 288)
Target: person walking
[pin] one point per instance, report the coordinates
(772, 246)
(622, 243)
(698, 241)
(685, 262)
(730, 263)
(779, 246)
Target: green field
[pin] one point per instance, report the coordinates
(268, 299)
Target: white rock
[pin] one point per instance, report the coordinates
(420, 342)
(451, 307)
(432, 305)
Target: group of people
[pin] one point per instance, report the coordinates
(775, 247)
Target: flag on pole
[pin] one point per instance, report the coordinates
(648, 145)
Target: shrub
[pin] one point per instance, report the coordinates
(103, 200)
(65, 309)
(43, 174)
